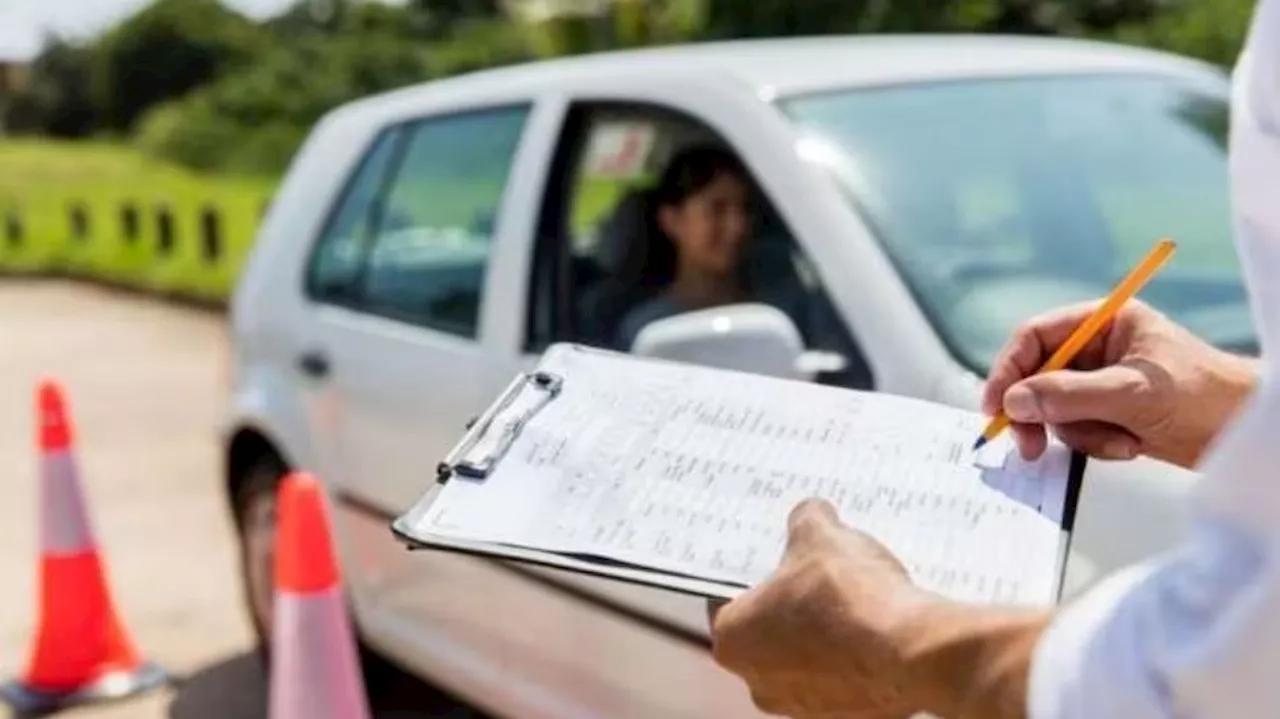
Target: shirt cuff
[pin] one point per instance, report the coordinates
(1071, 667)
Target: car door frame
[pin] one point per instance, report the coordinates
(507, 229)
(504, 310)
(904, 351)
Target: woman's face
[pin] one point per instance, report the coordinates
(711, 225)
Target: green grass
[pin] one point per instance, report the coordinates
(41, 180)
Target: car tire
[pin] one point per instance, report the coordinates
(254, 504)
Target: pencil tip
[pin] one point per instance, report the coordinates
(978, 445)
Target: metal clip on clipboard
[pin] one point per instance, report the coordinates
(464, 461)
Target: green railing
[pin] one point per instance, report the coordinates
(181, 246)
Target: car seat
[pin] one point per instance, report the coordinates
(624, 257)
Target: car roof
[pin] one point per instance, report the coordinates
(780, 67)
(787, 66)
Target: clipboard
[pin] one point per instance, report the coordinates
(473, 459)
(488, 437)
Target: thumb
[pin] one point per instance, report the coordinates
(1097, 439)
(809, 524)
(1104, 395)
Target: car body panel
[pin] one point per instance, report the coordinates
(789, 66)
(516, 648)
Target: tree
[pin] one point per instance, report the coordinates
(1213, 30)
(305, 16)
(253, 118)
(649, 22)
(56, 98)
(442, 17)
(773, 18)
(167, 50)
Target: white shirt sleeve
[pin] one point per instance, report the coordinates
(1194, 635)
(1197, 633)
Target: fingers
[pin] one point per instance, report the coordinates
(1100, 440)
(713, 610)
(809, 523)
(736, 628)
(1096, 439)
(1107, 395)
(1030, 438)
(809, 527)
(1029, 347)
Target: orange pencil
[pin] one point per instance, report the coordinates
(1128, 287)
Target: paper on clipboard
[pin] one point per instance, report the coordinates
(690, 472)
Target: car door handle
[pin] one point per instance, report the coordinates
(314, 364)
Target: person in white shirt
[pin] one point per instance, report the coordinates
(839, 630)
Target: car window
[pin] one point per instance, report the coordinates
(617, 158)
(428, 258)
(613, 252)
(335, 265)
(1036, 192)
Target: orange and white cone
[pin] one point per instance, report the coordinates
(82, 652)
(315, 673)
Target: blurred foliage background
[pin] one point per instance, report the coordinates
(195, 83)
(188, 105)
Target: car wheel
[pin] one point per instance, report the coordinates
(255, 506)
(255, 510)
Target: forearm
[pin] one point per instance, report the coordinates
(972, 661)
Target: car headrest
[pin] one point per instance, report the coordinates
(624, 236)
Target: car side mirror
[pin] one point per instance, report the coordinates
(746, 337)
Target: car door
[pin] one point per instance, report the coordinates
(607, 151)
(402, 345)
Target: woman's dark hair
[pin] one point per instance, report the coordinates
(692, 169)
(686, 174)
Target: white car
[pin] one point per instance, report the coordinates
(921, 195)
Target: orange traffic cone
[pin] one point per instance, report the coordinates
(314, 669)
(82, 652)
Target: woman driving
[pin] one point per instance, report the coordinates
(703, 220)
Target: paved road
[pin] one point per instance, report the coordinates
(145, 386)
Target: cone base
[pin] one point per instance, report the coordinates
(26, 701)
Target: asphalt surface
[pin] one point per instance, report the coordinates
(145, 384)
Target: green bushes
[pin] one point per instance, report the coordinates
(1212, 30)
(226, 92)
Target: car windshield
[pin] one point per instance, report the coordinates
(999, 198)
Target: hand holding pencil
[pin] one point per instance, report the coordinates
(1092, 407)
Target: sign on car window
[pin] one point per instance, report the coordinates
(619, 150)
